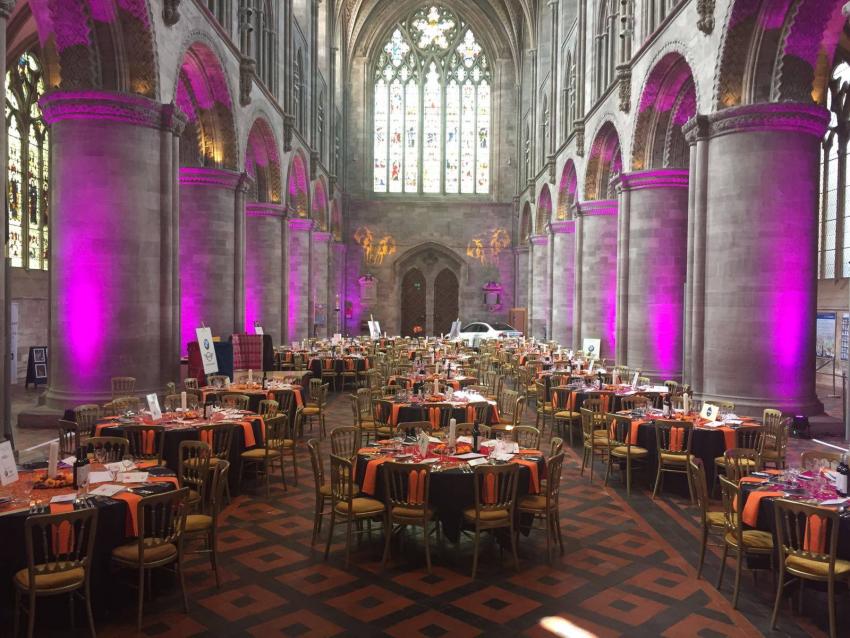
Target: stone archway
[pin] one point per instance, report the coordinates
(445, 301)
(413, 296)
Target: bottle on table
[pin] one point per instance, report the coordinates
(476, 432)
(842, 472)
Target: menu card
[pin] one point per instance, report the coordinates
(132, 477)
(108, 489)
(8, 468)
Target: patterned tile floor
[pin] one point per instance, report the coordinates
(628, 570)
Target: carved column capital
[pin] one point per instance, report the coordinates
(705, 11)
(288, 128)
(578, 126)
(624, 82)
(6, 8)
(247, 71)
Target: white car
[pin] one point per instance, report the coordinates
(474, 333)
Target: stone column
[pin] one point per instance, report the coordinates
(211, 252)
(113, 243)
(760, 298)
(651, 271)
(6, 7)
(298, 278)
(563, 280)
(336, 293)
(521, 294)
(540, 285)
(598, 285)
(319, 285)
(263, 272)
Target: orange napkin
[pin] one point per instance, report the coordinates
(99, 428)
(63, 534)
(434, 417)
(368, 450)
(416, 487)
(165, 479)
(372, 474)
(728, 437)
(494, 415)
(534, 484)
(677, 439)
(132, 499)
(394, 417)
(470, 413)
(753, 479)
(299, 402)
(815, 538)
(751, 507)
(490, 496)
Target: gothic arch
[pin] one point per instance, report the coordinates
(297, 188)
(202, 93)
(604, 163)
(668, 101)
(567, 191)
(262, 162)
(319, 208)
(544, 210)
(406, 260)
(119, 55)
(777, 51)
(525, 224)
(336, 221)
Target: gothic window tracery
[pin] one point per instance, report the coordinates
(432, 91)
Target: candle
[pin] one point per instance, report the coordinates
(52, 459)
(250, 376)
(183, 400)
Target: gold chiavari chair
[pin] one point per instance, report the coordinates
(563, 406)
(123, 386)
(190, 383)
(86, 417)
(58, 550)
(545, 506)
(713, 522)
(527, 437)
(407, 486)
(268, 408)
(807, 539)
(774, 448)
(69, 438)
(594, 438)
(193, 471)
(174, 401)
(263, 458)
(205, 523)
(746, 438)
(146, 442)
(543, 408)
(741, 463)
(114, 448)
(621, 451)
(235, 401)
(673, 440)
(495, 502)
(345, 441)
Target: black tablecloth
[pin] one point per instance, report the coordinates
(408, 413)
(451, 492)
(111, 532)
(360, 364)
(706, 444)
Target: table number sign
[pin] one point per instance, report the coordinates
(635, 380)
(258, 329)
(208, 358)
(153, 406)
(709, 412)
(8, 468)
(591, 347)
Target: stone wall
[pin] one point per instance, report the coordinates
(29, 290)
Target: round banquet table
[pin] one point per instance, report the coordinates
(175, 434)
(112, 531)
(255, 395)
(451, 491)
(615, 399)
(767, 523)
(409, 412)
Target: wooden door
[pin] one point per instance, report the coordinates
(445, 301)
(413, 303)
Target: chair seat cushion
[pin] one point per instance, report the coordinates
(277, 443)
(634, 450)
(753, 539)
(817, 568)
(130, 552)
(361, 506)
(488, 516)
(721, 461)
(198, 522)
(255, 454)
(566, 414)
(56, 580)
(533, 502)
(772, 454)
(717, 519)
(325, 490)
(412, 512)
(600, 435)
(674, 457)
(310, 410)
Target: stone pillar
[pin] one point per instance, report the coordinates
(521, 294)
(319, 285)
(211, 252)
(298, 278)
(113, 243)
(263, 271)
(539, 311)
(597, 291)
(760, 273)
(652, 264)
(336, 294)
(563, 280)
(6, 7)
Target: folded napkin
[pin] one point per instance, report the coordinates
(372, 474)
(751, 508)
(534, 483)
(63, 534)
(753, 479)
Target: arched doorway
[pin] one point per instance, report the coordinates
(445, 301)
(413, 291)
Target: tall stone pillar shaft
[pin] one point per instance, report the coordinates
(336, 294)
(597, 291)
(319, 285)
(298, 278)
(563, 280)
(539, 263)
(652, 264)
(212, 251)
(263, 267)
(6, 7)
(113, 243)
(521, 294)
(760, 259)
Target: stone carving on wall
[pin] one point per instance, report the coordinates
(247, 70)
(579, 128)
(624, 82)
(314, 165)
(171, 12)
(705, 10)
(288, 128)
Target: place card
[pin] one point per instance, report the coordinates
(8, 468)
(100, 477)
(132, 477)
(64, 498)
(119, 466)
(69, 461)
(153, 406)
(506, 456)
(474, 462)
(470, 456)
(108, 489)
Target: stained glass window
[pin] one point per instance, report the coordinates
(432, 108)
(27, 165)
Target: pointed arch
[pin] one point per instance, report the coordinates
(297, 188)
(525, 224)
(668, 101)
(604, 163)
(202, 93)
(262, 162)
(567, 191)
(544, 210)
(319, 207)
(336, 221)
